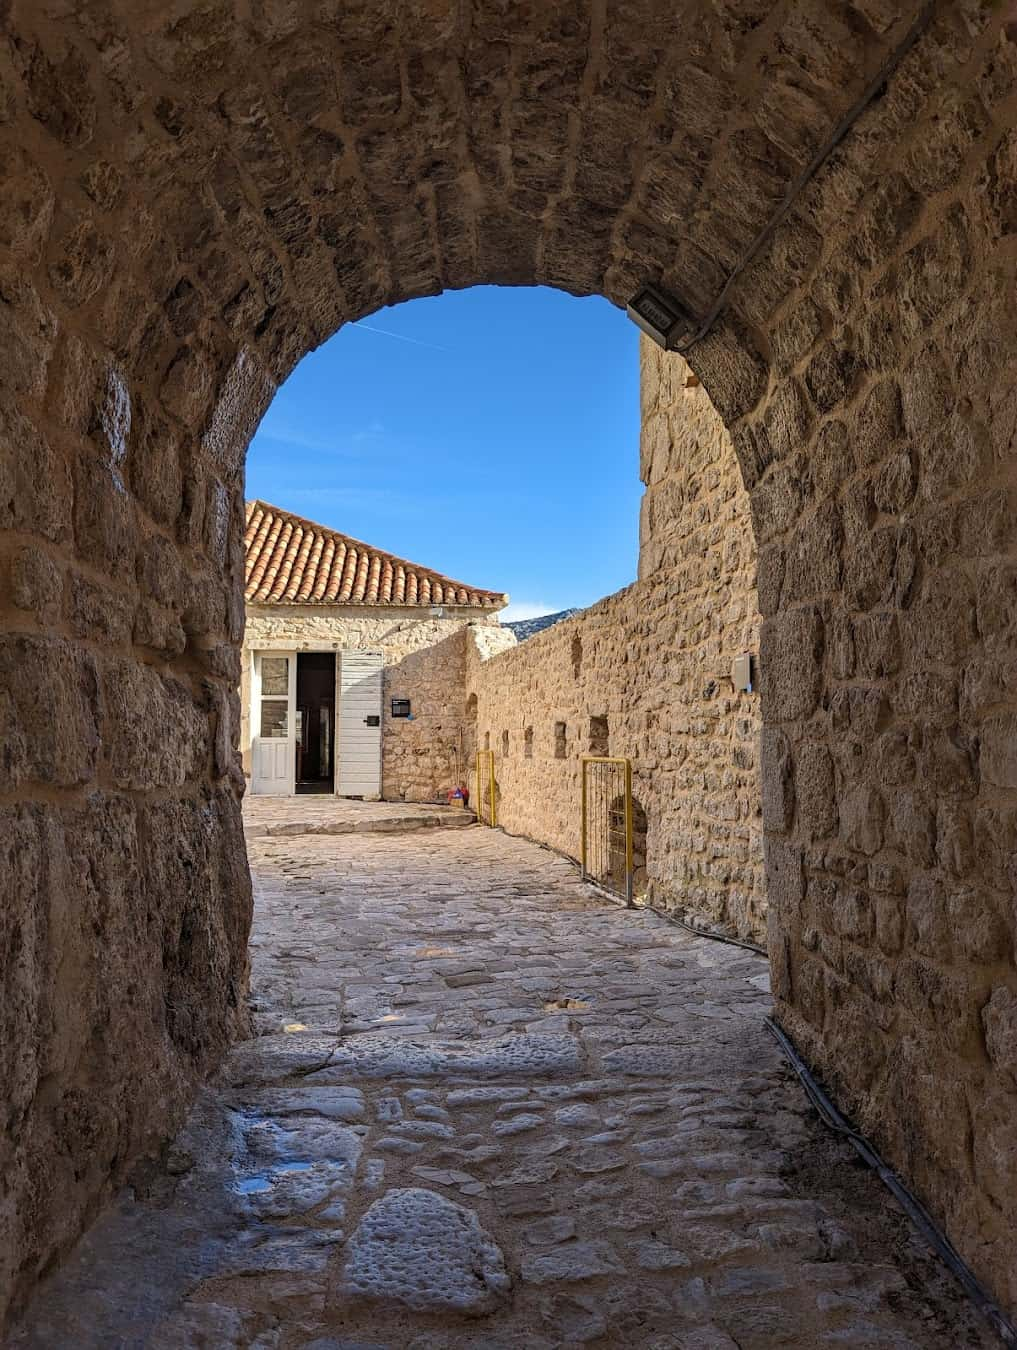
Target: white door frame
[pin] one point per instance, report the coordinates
(288, 781)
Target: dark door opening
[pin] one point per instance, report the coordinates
(315, 722)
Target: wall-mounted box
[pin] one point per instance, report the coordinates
(743, 672)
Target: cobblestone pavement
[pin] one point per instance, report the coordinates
(321, 813)
(487, 1108)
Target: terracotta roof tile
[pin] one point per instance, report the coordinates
(292, 561)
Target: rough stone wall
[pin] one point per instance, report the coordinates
(879, 450)
(655, 660)
(425, 661)
(124, 889)
(191, 201)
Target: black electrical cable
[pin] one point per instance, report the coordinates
(833, 1119)
(875, 86)
(704, 932)
(912, 1207)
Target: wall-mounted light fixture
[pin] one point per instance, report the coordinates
(437, 612)
(661, 317)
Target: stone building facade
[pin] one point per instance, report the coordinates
(193, 200)
(647, 674)
(311, 589)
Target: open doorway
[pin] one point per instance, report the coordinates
(315, 722)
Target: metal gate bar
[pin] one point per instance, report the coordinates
(487, 789)
(607, 831)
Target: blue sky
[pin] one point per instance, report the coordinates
(492, 434)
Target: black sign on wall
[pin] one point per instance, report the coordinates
(400, 707)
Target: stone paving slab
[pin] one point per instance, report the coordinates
(282, 817)
(487, 1109)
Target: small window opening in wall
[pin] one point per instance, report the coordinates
(471, 706)
(528, 743)
(577, 656)
(487, 740)
(559, 740)
(505, 744)
(598, 736)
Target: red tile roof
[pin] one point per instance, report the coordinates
(292, 561)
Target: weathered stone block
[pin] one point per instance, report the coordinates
(995, 1155)
(733, 373)
(999, 1021)
(927, 696)
(911, 826)
(35, 491)
(999, 750)
(878, 422)
(82, 262)
(1003, 184)
(785, 880)
(52, 730)
(194, 858)
(159, 571)
(27, 334)
(104, 523)
(877, 645)
(135, 701)
(245, 393)
(778, 782)
(36, 583)
(831, 376)
(26, 207)
(996, 601)
(831, 458)
(98, 613)
(791, 656)
(934, 274)
(186, 390)
(862, 819)
(787, 419)
(896, 484)
(813, 556)
(816, 790)
(159, 629)
(979, 925)
(25, 1017)
(869, 569)
(59, 95)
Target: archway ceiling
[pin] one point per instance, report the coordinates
(262, 171)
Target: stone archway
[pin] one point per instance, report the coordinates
(192, 200)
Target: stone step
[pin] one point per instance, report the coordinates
(286, 829)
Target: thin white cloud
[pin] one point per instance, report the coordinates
(381, 503)
(400, 337)
(299, 440)
(370, 498)
(528, 609)
(368, 433)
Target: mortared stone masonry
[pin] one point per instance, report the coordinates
(196, 195)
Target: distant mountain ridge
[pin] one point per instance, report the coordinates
(525, 628)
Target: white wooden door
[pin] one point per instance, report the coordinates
(360, 683)
(273, 739)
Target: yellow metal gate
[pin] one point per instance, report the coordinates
(487, 789)
(607, 851)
